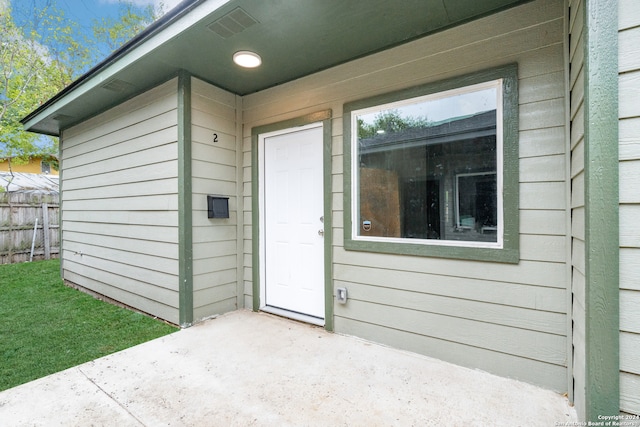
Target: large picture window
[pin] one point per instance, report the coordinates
(433, 167)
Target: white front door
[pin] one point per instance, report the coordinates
(292, 209)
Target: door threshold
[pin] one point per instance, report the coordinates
(293, 315)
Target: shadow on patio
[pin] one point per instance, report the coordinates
(248, 368)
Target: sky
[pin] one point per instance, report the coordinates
(441, 106)
(85, 11)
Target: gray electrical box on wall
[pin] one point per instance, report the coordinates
(341, 295)
(217, 206)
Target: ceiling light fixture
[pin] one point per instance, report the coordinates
(247, 59)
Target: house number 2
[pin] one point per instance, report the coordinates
(215, 137)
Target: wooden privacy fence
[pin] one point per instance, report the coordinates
(29, 226)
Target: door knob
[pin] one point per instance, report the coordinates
(321, 232)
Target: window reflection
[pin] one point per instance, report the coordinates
(428, 167)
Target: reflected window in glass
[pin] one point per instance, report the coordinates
(429, 168)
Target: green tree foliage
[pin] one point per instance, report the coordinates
(36, 61)
(111, 33)
(389, 121)
(45, 53)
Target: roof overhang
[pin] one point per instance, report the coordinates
(294, 39)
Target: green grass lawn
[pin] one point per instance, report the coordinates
(46, 327)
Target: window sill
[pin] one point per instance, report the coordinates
(503, 255)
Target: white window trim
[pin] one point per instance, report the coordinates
(496, 84)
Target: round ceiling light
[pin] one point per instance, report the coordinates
(247, 59)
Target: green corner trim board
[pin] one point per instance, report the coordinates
(185, 201)
(602, 392)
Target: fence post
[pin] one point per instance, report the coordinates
(45, 230)
(9, 200)
(33, 240)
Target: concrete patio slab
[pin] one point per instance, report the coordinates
(255, 369)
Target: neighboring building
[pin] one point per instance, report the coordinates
(35, 164)
(494, 225)
(19, 181)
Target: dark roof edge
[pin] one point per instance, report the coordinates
(167, 19)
